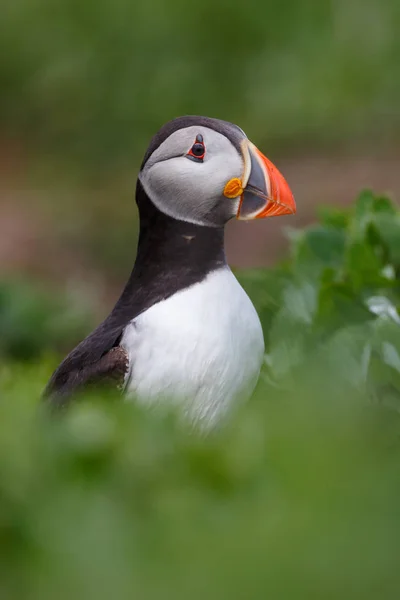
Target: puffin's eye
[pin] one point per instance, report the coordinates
(198, 150)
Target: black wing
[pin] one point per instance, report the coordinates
(98, 360)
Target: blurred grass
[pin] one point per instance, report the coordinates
(94, 80)
(296, 496)
(34, 321)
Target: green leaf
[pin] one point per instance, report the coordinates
(348, 353)
(339, 306)
(391, 356)
(316, 248)
(327, 244)
(331, 216)
(384, 205)
(362, 215)
(300, 301)
(364, 205)
(388, 228)
(383, 307)
(363, 266)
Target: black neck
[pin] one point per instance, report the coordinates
(171, 256)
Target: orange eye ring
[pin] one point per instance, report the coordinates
(198, 150)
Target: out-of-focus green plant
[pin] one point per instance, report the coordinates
(296, 495)
(334, 302)
(34, 321)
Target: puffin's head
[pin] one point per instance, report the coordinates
(206, 171)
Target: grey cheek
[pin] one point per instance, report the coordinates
(193, 192)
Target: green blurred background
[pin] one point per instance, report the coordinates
(85, 84)
(297, 496)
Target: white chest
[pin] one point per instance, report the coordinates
(202, 348)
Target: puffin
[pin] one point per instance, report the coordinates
(184, 332)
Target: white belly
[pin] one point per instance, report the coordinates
(202, 348)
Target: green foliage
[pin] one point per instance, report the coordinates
(334, 304)
(34, 321)
(295, 496)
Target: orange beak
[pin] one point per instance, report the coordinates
(266, 192)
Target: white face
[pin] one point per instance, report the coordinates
(190, 190)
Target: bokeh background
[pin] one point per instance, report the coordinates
(85, 84)
(297, 495)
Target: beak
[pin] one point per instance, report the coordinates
(265, 192)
